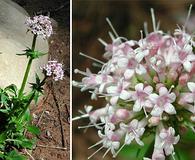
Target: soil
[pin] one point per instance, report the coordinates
(52, 114)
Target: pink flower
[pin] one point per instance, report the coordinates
(40, 26)
(188, 99)
(134, 130)
(54, 69)
(140, 96)
(168, 140)
(118, 91)
(162, 102)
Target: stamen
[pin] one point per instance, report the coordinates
(75, 83)
(94, 59)
(173, 155)
(96, 144)
(95, 152)
(106, 152)
(91, 125)
(172, 86)
(188, 16)
(114, 156)
(81, 112)
(80, 72)
(158, 26)
(153, 19)
(80, 117)
(111, 36)
(146, 28)
(102, 42)
(111, 26)
(135, 133)
(145, 112)
(97, 65)
(142, 37)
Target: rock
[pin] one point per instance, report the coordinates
(13, 40)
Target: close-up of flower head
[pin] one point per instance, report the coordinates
(54, 69)
(148, 86)
(40, 25)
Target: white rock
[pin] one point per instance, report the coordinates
(13, 40)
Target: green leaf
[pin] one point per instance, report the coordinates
(189, 136)
(2, 155)
(180, 154)
(14, 155)
(33, 54)
(33, 129)
(11, 88)
(2, 137)
(25, 143)
(4, 111)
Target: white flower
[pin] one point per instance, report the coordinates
(168, 140)
(110, 140)
(140, 96)
(54, 69)
(162, 102)
(120, 90)
(40, 25)
(188, 99)
(133, 131)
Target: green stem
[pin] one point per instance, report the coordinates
(30, 100)
(27, 68)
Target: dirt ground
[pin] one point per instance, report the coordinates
(52, 114)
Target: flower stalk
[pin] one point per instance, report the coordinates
(27, 68)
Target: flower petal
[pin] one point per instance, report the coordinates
(122, 62)
(169, 108)
(163, 91)
(125, 95)
(187, 66)
(148, 89)
(111, 89)
(191, 86)
(157, 111)
(153, 97)
(139, 87)
(114, 100)
(129, 73)
(137, 106)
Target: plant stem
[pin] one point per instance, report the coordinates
(27, 68)
(30, 100)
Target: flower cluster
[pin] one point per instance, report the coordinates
(54, 69)
(40, 25)
(148, 85)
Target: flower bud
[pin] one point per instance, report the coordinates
(192, 118)
(154, 121)
(173, 75)
(156, 79)
(122, 114)
(158, 86)
(183, 79)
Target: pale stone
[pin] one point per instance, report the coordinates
(13, 40)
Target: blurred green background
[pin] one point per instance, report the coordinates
(128, 17)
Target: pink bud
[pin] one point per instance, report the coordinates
(154, 120)
(173, 75)
(122, 114)
(156, 79)
(183, 79)
(159, 85)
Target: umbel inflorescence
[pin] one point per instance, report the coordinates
(148, 86)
